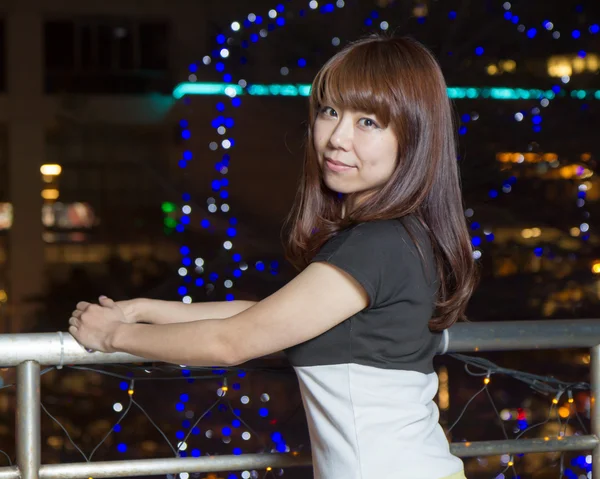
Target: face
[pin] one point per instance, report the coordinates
(356, 153)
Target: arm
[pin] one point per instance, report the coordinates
(318, 299)
(155, 311)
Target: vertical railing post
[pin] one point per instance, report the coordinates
(29, 442)
(595, 406)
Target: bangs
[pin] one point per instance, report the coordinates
(357, 82)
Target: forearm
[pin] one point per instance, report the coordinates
(198, 343)
(168, 312)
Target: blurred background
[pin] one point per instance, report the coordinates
(153, 149)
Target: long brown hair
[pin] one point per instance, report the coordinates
(399, 81)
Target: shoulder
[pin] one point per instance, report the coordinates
(372, 237)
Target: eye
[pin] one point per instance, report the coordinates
(328, 111)
(368, 123)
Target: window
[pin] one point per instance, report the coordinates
(59, 45)
(2, 57)
(106, 55)
(118, 171)
(153, 46)
(4, 183)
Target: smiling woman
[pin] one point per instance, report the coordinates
(378, 234)
(352, 142)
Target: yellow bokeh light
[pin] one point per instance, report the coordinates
(50, 194)
(578, 64)
(508, 65)
(3, 296)
(564, 412)
(526, 233)
(575, 231)
(596, 267)
(51, 169)
(492, 69)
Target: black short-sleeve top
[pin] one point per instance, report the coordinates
(392, 332)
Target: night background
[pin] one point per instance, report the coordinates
(153, 149)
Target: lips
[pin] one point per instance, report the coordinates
(338, 163)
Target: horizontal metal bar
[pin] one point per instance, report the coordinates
(141, 467)
(524, 335)
(144, 467)
(523, 446)
(11, 472)
(47, 349)
(52, 349)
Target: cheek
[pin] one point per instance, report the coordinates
(378, 160)
(318, 139)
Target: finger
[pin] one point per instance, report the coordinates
(77, 313)
(73, 331)
(74, 322)
(107, 302)
(82, 305)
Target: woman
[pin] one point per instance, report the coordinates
(379, 234)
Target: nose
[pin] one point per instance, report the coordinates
(341, 136)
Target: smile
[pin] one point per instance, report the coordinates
(337, 166)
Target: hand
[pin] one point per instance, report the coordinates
(131, 310)
(95, 325)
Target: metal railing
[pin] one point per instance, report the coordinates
(27, 352)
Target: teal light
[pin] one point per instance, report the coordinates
(198, 88)
(455, 93)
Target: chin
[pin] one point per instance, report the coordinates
(339, 187)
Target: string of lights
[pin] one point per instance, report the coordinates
(547, 25)
(561, 395)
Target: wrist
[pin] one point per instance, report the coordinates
(118, 339)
